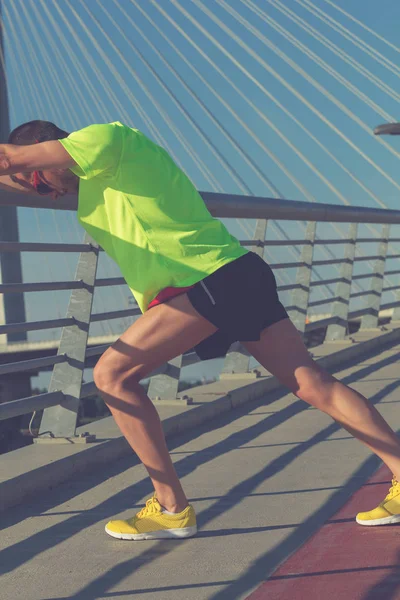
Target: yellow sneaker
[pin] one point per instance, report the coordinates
(387, 512)
(151, 523)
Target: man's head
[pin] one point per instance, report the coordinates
(56, 182)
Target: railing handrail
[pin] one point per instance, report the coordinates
(220, 205)
(246, 207)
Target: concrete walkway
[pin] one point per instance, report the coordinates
(263, 478)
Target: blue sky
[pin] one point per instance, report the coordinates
(81, 65)
(90, 97)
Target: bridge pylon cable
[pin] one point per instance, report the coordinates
(350, 36)
(344, 56)
(361, 24)
(242, 44)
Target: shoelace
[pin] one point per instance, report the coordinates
(392, 490)
(152, 506)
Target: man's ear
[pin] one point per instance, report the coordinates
(4, 162)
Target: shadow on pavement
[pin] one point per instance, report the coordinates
(388, 587)
(22, 552)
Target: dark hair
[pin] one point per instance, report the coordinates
(36, 131)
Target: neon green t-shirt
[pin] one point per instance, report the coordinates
(144, 211)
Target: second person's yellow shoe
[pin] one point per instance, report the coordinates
(388, 510)
(151, 523)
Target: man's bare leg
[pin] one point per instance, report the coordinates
(282, 352)
(159, 335)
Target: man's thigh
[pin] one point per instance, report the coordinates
(157, 336)
(282, 352)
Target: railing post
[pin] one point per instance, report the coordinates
(370, 320)
(340, 309)
(165, 385)
(300, 296)
(396, 310)
(238, 359)
(59, 422)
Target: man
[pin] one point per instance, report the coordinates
(196, 286)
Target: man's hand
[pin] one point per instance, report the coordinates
(37, 157)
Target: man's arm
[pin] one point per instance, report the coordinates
(45, 155)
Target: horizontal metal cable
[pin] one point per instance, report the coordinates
(286, 265)
(333, 261)
(333, 241)
(397, 272)
(324, 301)
(190, 358)
(110, 281)
(43, 247)
(321, 323)
(89, 388)
(57, 285)
(389, 305)
(285, 288)
(329, 281)
(319, 242)
(354, 295)
(267, 243)
(364, 293)
(96, 351)
(365, 276)
(40, 286)
(362, 258)
(355, 314)
(36, 325)
(32, 364)
(378, 239)
(115, 314)
(15, 408)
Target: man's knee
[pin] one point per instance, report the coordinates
(110, 374)
(314, 385)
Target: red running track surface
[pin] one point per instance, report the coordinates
(343, 560)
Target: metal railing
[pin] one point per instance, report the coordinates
(61, 402)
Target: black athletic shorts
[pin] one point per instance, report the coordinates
(240, 299)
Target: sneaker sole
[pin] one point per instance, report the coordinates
(162, 534)
(383, 521)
